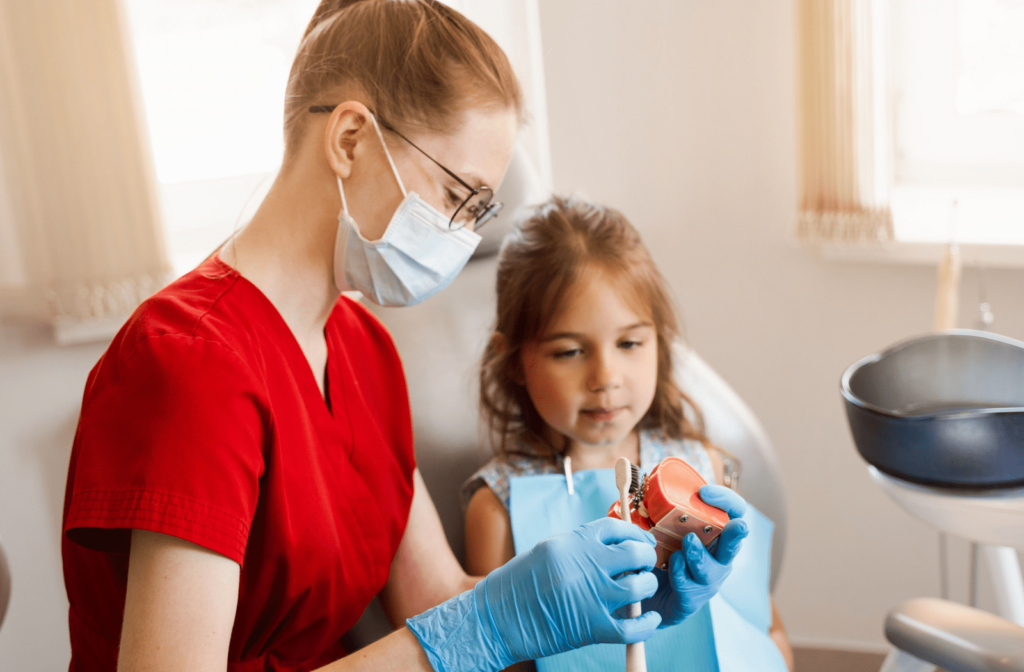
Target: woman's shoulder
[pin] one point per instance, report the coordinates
(207, 303)
(498, 473)
(655, 447)
(198, 326)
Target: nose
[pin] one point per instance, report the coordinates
(604, 372)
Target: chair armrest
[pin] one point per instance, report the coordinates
(956, 637)
(5, 585)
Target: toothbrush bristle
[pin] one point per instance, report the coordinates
(634, 480)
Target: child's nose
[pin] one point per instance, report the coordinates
(604, 373)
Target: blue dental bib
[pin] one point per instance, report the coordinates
(730, 634)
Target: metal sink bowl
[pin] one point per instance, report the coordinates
(946, 409)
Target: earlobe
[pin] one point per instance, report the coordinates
(342, 136)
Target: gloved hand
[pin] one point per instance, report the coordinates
(694, 574)
(557, 597)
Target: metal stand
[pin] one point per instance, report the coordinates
(992, 520)
(901, 661)
(972, 587)
(1004, 571)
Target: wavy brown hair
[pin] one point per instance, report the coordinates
(538, 264)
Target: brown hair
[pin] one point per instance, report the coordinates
(538, 265)
(415, 62)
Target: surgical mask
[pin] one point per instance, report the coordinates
(417, 256)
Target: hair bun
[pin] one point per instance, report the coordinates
(328, 8)
(412, 62)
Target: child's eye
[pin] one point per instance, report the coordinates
(567, 354)
(630, 345)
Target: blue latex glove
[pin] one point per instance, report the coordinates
(694, 574)
(557, 597)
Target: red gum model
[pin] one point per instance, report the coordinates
(672, 508)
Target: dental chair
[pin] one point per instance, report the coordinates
(441, 342)
(5, 585)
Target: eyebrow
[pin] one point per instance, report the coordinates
(572, 334)
(461, 188)
(473, 180)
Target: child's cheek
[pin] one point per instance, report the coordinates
(549, 393)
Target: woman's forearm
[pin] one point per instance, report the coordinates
(398, 651)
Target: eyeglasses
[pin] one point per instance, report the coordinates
(479, 207)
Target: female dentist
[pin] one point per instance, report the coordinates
(242, 481)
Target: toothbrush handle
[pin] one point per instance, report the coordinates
(636, 660)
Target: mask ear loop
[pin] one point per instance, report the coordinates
(391, 162)
(341, 190)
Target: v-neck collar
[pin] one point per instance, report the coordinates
(326, 403)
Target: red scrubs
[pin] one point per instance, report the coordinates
(203, 421)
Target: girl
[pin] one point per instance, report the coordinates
(242, 481)
(579, 373)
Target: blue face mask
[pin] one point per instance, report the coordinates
(417, 256)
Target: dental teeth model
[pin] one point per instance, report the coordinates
(668, 504)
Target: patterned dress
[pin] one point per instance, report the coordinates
(498, 473)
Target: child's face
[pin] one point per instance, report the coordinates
(592, 374)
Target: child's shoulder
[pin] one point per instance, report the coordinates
(654, 448)
(499, 472)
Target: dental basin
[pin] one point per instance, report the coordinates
(946, 410)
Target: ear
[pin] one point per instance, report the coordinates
(346, 128)
(499, 345)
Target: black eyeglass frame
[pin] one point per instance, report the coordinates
(490, 207)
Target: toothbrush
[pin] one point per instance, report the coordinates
(627, 480)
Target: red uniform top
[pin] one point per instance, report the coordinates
(203, 421)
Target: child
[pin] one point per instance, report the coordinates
(579, 371)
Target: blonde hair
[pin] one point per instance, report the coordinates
(538, 265)
(417, 63)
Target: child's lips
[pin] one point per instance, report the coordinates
(602, 414)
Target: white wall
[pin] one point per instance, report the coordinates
(40, 394)
(682, 114)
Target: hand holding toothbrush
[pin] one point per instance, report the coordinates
(559, 596)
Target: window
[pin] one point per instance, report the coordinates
(213, 76)
(958, 121)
